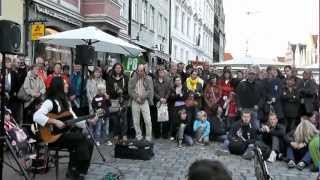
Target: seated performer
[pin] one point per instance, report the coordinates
(79, 147)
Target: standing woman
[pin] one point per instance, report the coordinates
(92, 85)
(162, 87)
(176, 103)
(79, 147)
(225, 85)
(35, 88)
(194, 87)
(117, 85)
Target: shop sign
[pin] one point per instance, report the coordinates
(37, 31)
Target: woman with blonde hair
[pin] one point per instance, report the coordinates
(298, 146)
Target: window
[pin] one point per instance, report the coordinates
(182, 22)
(152, 18)
(176, 17)
(144, 13)
(123, 10)
(181, 54)
(165, 27)
(187, 56)
(175, 49)
(159, 24)
(134, 10)
(195, 32)
(188, 27)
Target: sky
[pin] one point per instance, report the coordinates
(270, 26)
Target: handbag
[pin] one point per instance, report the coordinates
(115, 106)
(22, 95)
(163, 115)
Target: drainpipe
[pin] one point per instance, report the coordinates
(130, 19)
(170, 38)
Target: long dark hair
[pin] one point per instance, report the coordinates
(56, 92)
(114, 67)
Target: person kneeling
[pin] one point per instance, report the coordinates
(185, 129)
(201, 127)
(273, 135)
(242, 136)
(297, 150)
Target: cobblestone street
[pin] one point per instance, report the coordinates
(171, 163)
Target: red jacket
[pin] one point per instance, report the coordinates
(51, 76)
(226, 88)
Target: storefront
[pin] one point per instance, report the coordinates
(55, 22)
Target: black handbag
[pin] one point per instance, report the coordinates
(138, 150)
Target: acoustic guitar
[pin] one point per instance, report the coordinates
(50, 133)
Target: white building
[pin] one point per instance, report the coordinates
(192, 28)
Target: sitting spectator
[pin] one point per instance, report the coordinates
(185, 129)
(201, 128)
(208, 170)
(242, 136)
(273, 135)
(315, 119)
(218, 127)
(297, 150)
(100, 105)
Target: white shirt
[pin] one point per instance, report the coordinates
(41, 117)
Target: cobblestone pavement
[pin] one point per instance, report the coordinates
(171, 163)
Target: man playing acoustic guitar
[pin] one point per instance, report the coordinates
(79, 147)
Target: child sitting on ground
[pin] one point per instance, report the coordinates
(201, 128)
(185, 129)
(100, 105)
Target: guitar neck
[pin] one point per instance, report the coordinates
(82, 118)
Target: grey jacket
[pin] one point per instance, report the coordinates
(33, 85)
(148, 85)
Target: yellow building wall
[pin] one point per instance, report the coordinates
(13, 10)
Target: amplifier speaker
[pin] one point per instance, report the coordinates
(10, 37)
(84, 54)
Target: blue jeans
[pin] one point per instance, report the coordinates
(181, 136)
(100, 129)
(298, 155)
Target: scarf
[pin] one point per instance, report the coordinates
(192, 84)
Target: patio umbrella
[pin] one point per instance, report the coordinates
(101, 41)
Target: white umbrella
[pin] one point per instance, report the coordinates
(100, 40)
(247, 60)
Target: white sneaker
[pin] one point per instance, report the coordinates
(172, 139)
(109, 143)
(148, 139)
(273, 156)
(98, 143)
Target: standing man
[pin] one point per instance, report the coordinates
(140, 90)
(250, 96)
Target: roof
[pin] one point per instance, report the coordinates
(227, 56)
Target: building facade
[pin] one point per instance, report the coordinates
(62, 15)
(197, 28)
(219, 32)
(149, 28)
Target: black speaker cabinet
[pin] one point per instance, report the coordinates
(10, 37)
(84, 55)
